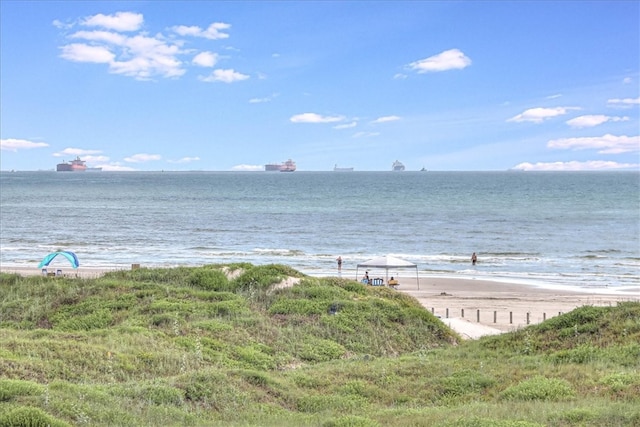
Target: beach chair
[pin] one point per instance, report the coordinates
(378, 282)
(44, 271)
(58, 272)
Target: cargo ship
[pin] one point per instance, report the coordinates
(76, 165)
(397, 166)
(288, 166)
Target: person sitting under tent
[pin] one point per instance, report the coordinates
(393, 283)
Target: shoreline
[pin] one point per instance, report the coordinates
(472, 307)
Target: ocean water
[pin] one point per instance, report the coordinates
(558, 229)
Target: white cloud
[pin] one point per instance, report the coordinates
(346, 125)
(575, 166)
(205, 59)
(400, 76)
(13, 144)
(627, 80)
(61, 25)
(142, 157)
(185, 160)
(594, 120)
(606, 144)
(225, 76)
(139, 55)
(315, 118)
(248, 168)
(386, 119)
(213, 32)
(101, 36)
(265, 99)
(78, 52)
(365, 134)
(540, 114)
(452, 59)
(116, 167)
(120, 21)
(95, 159)
(623, 102)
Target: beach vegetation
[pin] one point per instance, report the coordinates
(244, 345)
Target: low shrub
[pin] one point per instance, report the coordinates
(464, 382)
(350, 421)
(99, 319)
(9, 389)
(29, 417)
(208, 279)
(319, 350)
(488, 422)
(540, 388)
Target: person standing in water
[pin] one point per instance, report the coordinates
(474, 259)
(339, 259)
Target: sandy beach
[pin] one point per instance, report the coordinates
(475, 307)
(472, 307)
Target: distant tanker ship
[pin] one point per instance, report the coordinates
(288, 166)
(76, 165)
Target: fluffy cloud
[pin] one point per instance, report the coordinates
(184, 160)
(315, 118)
(540, 114)
(248, 168)
(120, 21)
(606, 144)
(12, 144)
(575, 166)
(142, 157)
(213, 32)
(623, 103)
(205, 59)
(224, 76)
(78, 52)
(386, 119)
(265, 99)
(346, 125)
(141, 56)
(594, 120)
(452, 59)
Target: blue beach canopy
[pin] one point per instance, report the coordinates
(73, 259)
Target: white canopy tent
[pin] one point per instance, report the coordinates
(388, 262)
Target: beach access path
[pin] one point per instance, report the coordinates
(477, 307)
(471, 307)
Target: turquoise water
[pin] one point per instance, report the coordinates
(571, 228)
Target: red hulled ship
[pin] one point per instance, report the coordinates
(76, 165)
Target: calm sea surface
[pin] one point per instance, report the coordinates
(573, 229)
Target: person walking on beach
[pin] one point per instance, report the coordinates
(339, 259)
(474, 259)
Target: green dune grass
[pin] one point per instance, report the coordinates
(229, 346)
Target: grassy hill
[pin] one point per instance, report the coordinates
(230, 346)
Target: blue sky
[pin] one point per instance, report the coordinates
(197, 85)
